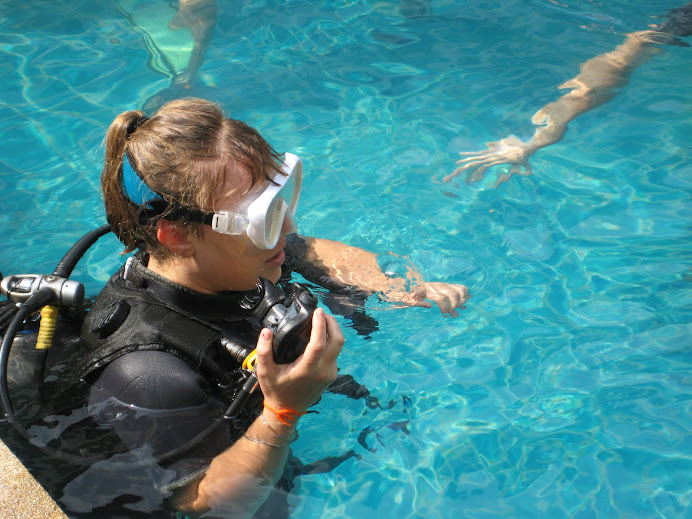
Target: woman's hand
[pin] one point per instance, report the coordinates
(447, 296)
(299, 384)
(511, 150)
(239, 479)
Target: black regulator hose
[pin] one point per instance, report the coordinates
(34, 303)
(70, 260)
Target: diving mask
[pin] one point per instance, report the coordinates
(264, 217)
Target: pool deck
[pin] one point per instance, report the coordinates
(21, 496)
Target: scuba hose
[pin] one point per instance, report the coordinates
(24, 310)
(72, 257)
(34, 293)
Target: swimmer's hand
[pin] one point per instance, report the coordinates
(447, 296)
(511, 150)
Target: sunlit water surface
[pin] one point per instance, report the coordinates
(563, 389)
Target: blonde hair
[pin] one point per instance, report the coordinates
(182, 153)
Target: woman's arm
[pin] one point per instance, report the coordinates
(240, 478)
(598, 82)
(359, 268)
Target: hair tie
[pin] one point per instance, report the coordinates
(139, 122)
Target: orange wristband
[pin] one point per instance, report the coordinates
(287, 417)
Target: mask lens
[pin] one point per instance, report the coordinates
(288, 192)
(286, 200)
(267, 213)
(275, 219)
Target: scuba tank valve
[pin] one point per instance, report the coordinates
(19, 288)
(62, 292)
(31, 293)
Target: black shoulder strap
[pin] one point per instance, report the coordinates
(127, 319)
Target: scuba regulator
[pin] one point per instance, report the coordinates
(288, 314)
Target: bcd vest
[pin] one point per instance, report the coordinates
(140, 310)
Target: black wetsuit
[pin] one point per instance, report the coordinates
(160, 379)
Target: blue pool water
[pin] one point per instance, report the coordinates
(564, 388)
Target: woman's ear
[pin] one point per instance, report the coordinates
(175, 238)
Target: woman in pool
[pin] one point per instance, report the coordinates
(208, 205)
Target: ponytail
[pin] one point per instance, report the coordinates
(122, 214)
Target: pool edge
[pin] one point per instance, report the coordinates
(21, 496)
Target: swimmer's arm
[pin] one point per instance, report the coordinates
(597, 83)
(359, 268)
